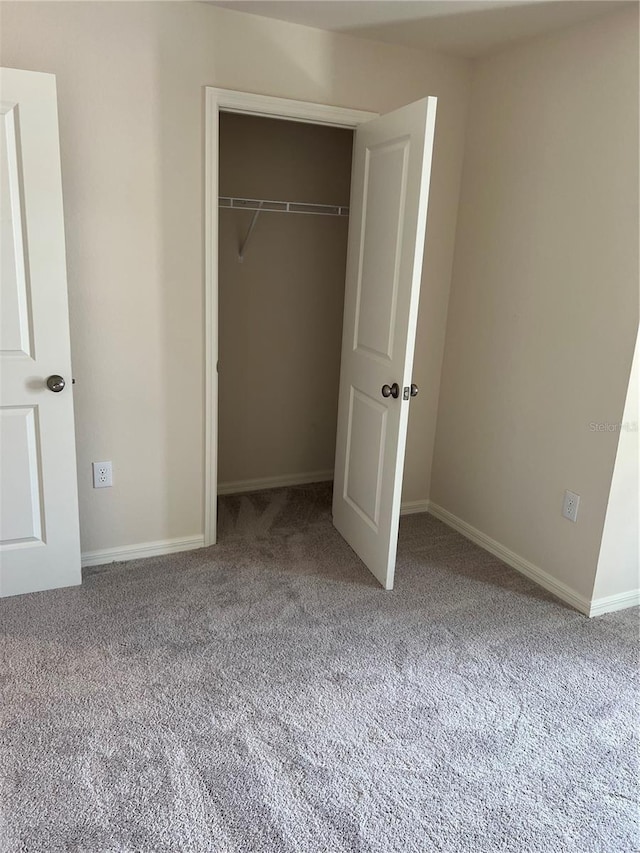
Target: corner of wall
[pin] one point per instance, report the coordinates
(617, 579)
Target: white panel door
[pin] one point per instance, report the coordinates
(390, 188)
(39, 535)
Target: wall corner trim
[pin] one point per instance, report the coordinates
(610, 603)
(515, 561)
(141, 550)
(414, 507)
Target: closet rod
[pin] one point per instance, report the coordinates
(262, 205)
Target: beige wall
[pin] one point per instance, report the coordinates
(130, 78)
(280, 313)
(619, 560)
(544, 302)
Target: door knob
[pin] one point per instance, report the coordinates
(391, 390)
(55, 383)
(414, 390)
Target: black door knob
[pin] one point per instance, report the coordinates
(414, 390)
(391, 390)
(55, 383)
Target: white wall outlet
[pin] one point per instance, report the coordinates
(570, 505)
(102, 475)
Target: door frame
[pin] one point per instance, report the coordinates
(228, 100)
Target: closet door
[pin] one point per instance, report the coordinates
(390, 188)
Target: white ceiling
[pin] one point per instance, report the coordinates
(463, 27)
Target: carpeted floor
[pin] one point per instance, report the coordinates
(267, 695)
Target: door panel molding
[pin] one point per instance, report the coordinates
(15, 303)
(373, 228)
(364, 441)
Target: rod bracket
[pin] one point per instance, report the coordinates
(243, 245)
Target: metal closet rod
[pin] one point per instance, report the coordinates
(262, 205)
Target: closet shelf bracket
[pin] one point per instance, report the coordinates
(243, 245)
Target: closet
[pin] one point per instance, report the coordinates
(283, 221)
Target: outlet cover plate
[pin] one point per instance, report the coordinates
(102, 475)
(570, 505)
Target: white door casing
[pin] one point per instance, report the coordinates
(228, 100)
(388, 214)
(39, 528)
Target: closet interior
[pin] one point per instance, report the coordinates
(284, 195)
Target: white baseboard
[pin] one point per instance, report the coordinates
(144, 549)
(240, 486)
(413, 507)
(534, 573)
(609, 603)
(189, 543)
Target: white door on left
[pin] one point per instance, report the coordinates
(39, 530)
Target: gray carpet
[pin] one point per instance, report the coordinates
(267, 695)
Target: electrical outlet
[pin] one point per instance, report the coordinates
(102, 475)
(570, 505)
